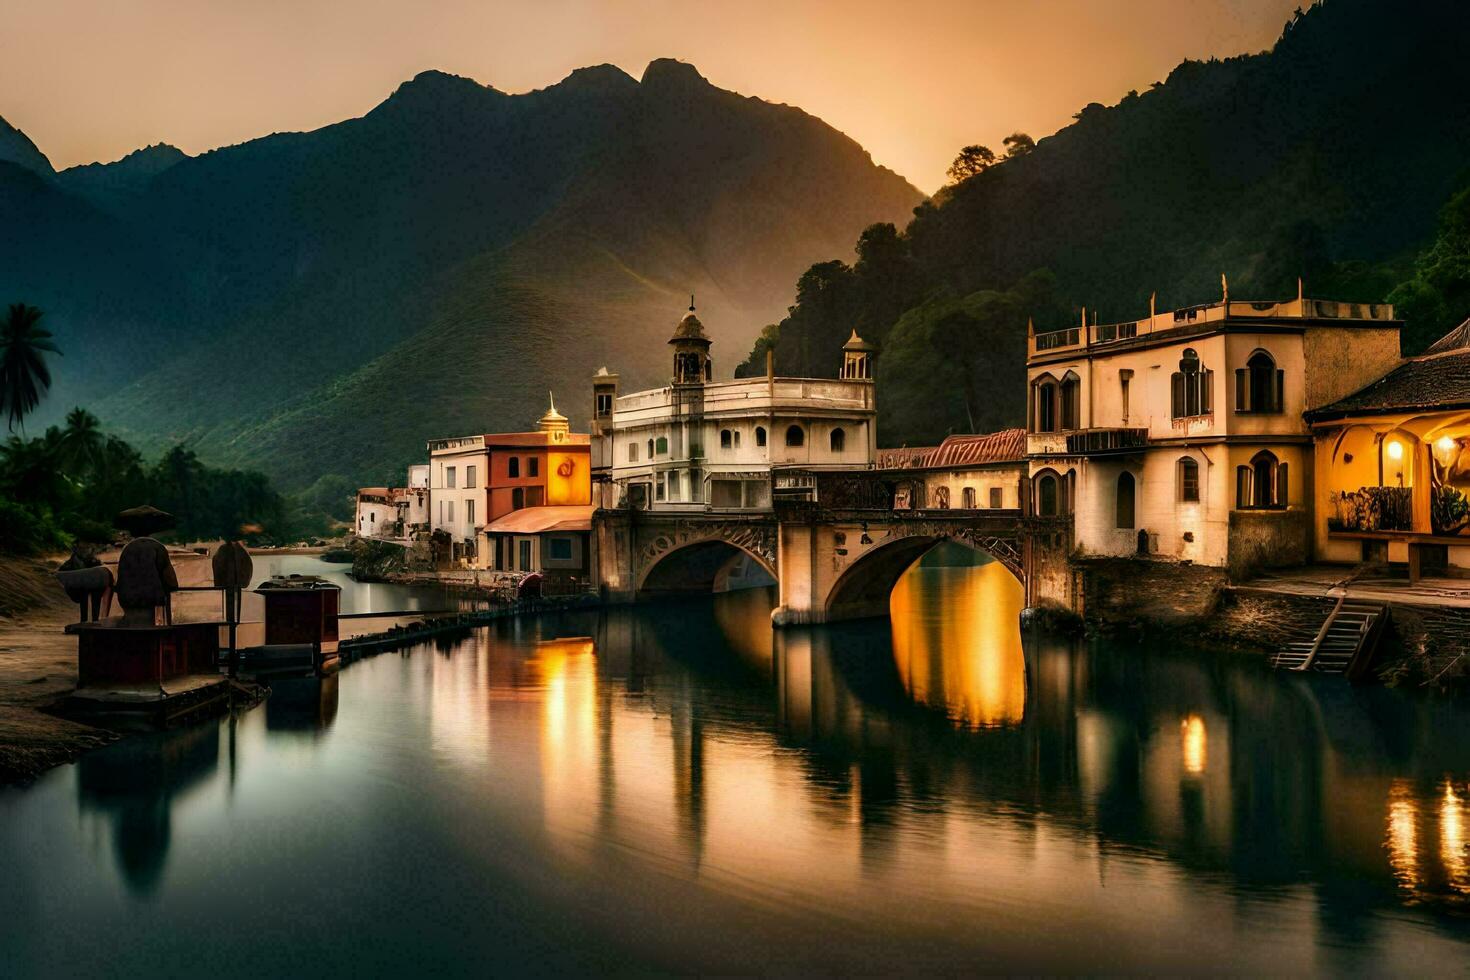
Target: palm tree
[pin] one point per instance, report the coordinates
(81, 443)
(24, 376)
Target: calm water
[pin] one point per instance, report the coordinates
(676, 788)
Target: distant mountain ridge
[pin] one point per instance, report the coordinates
(325, 302)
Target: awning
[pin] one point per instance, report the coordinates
(535, 520)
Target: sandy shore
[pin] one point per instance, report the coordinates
(38, 664)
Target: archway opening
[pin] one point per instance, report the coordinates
(705, 567)
(864, 590)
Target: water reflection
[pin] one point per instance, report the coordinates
(678, 787)
(956, 643)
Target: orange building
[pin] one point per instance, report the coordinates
(476, 480)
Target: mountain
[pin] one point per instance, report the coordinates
(325, 302)
(16, 147)
(1327, 157)
(112, 185)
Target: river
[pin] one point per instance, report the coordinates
(681, 788)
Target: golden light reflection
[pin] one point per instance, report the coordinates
(567, 670)
(1395, 449)
(1452, 841)
(1402, 843)
(957, 642)
(1194, 738)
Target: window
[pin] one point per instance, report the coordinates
(674, 485)
(1045, 404)
(1262, 484)
(839, 440)
(1125, 501)
(1070, 395)
(559, 549)
(727, 439)
(500, 555)
(760, 435)
(650, 449)
(525, 554)
(1046, 496)
(451, 511)
(517, 498)
(533, 465)
(662, 445)
(449, 477)
(604, 403)
(1188, 480)
(696, 484)
(1190, 392)
(469, 478)
(513, 467)
(967, 498)
(737, 438)
(795, 436)
(372, 517)
(995, 500)
(1125, 376)
(1259, 386)
(469, 511)
(632, 452)
(535, 496)
(659, 491)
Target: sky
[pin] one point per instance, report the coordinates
(911, 81)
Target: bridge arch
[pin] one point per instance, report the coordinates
(864, 587)
(704, 565)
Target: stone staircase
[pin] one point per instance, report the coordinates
(1345, 643)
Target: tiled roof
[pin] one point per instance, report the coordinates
(1005, 446)
(1428, 383)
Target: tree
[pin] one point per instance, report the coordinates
(81, 443)
(24, 376)
(1437, 297)
(973, 159)
(1018, 145)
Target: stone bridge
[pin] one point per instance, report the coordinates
(834, 543)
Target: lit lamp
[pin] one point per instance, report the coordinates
(1396, 453)
(1444, 450)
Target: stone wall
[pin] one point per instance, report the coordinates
(1268, 539)
(1426, 645)
(1147, 592)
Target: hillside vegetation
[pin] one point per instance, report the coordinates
(1328, 157)
(321, 304)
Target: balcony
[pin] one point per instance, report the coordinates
(1103, 442)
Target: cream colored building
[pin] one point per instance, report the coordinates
(1181, 435)
(964, 472)
(701, 445)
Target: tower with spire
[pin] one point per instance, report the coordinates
(553, 423)
(692, 365)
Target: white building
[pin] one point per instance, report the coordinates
(1181, 434)
(701, 444)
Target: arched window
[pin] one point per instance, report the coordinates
(662, 446)
(1069, 394)
(968, 497)
(760, 435)
(1188, 480)
(513, 467)
(1191, 388)
(1125, 501)
(632, 452)
(795, 436)
(727, 439)
(1044, 404)
(1047, 496)
(838, 440)
(1262, 484)
(1260, 386)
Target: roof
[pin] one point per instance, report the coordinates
(689, 328)
(535, 520)
(372, 491)
(1434, 381)
(1005, 446)
(857, 343)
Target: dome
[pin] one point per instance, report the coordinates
(689, 327)
(857, 343)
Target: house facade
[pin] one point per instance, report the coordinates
(476, 480)
(1392, 469)
(700, 445)
(964, 472)
(1181, 434)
